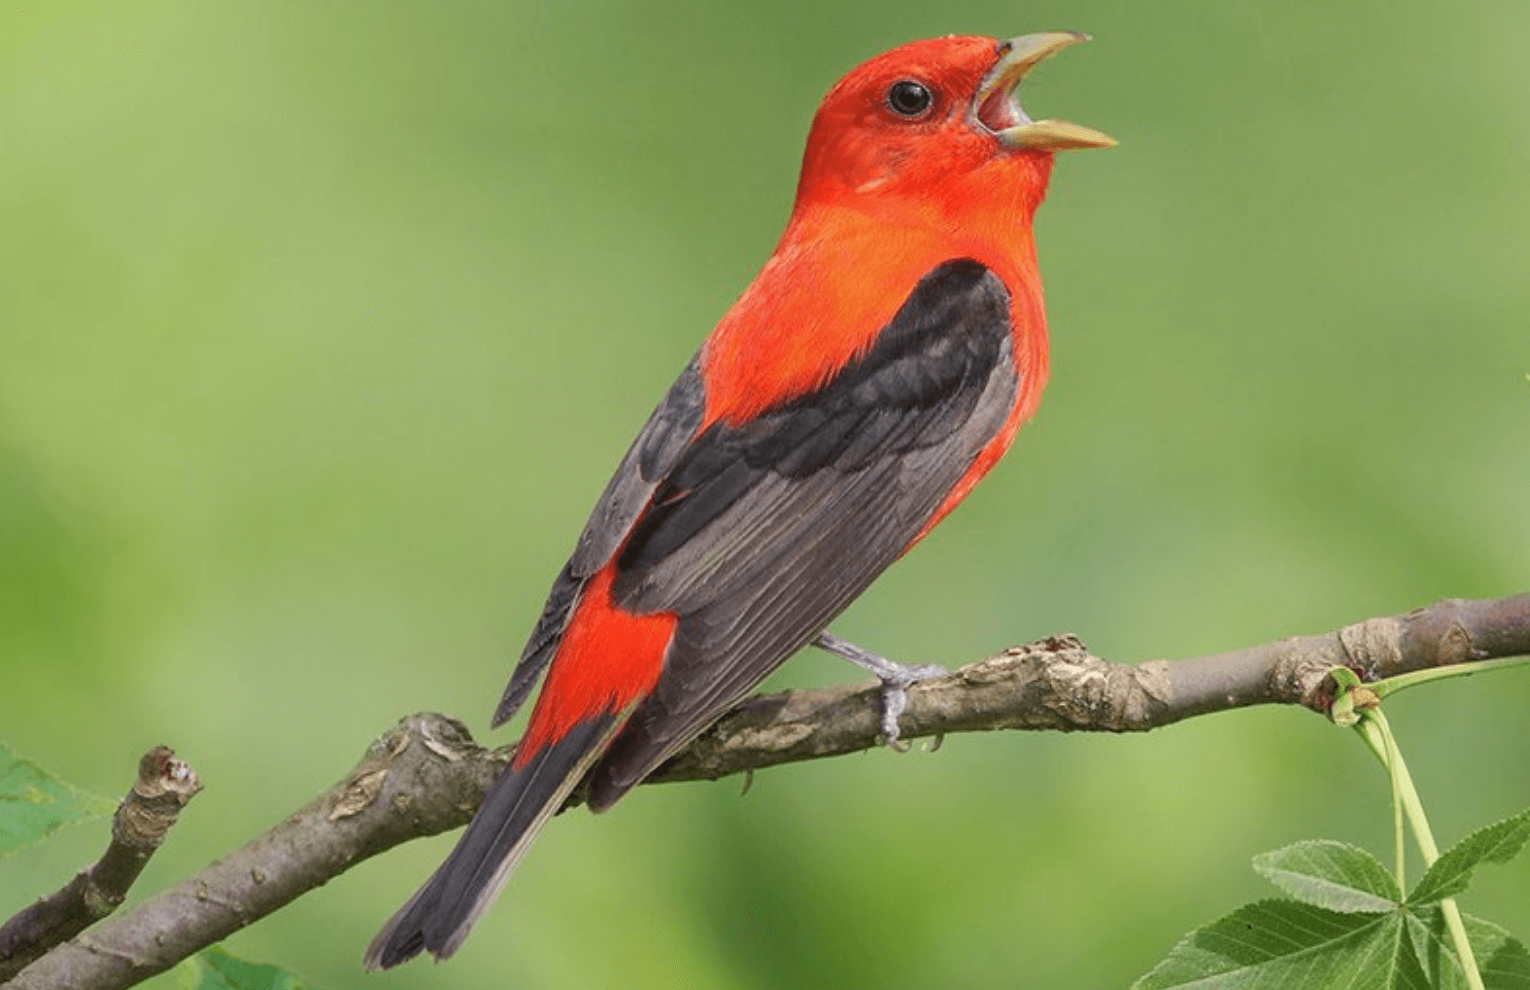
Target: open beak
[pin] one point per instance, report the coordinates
(996, 107)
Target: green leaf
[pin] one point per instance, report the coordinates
(1502, 960)
(1452, 872)
(215, 969)
(1333, 875)
(33, 803)
(1278, 944)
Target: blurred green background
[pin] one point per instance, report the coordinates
(322, 326)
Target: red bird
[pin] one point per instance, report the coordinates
(877, 367)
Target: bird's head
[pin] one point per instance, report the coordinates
(939, 120)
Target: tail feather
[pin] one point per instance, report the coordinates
(440, 914)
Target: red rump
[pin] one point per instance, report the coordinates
(607, 660)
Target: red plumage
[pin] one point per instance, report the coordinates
(874, 371)
(608, 659)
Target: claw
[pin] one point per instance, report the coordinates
(894, 700)
(895, 677)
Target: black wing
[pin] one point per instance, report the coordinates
(671, 427)
(759, 534)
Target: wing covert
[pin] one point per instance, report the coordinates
(761, 533)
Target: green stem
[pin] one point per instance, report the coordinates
(1411, 803)
(1377, 740)
(1392, 685)
(1378, 735)
(1399, 844)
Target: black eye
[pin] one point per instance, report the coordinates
(907, 98)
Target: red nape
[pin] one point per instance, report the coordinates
(607, 660)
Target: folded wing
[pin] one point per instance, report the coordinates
(760, 533)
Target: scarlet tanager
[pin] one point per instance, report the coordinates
(872, 373)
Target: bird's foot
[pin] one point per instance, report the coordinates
(895, 678)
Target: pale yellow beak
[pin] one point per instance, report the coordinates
(996, 106)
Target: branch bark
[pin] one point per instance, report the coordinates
(154, 802)
(427, 775)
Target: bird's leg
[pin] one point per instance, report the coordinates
(895, 678)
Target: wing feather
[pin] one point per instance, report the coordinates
(761, 533)
(663, 439)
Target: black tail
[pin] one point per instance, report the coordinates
(440, 914)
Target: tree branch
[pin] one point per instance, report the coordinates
(151, 807)
(426, 774)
